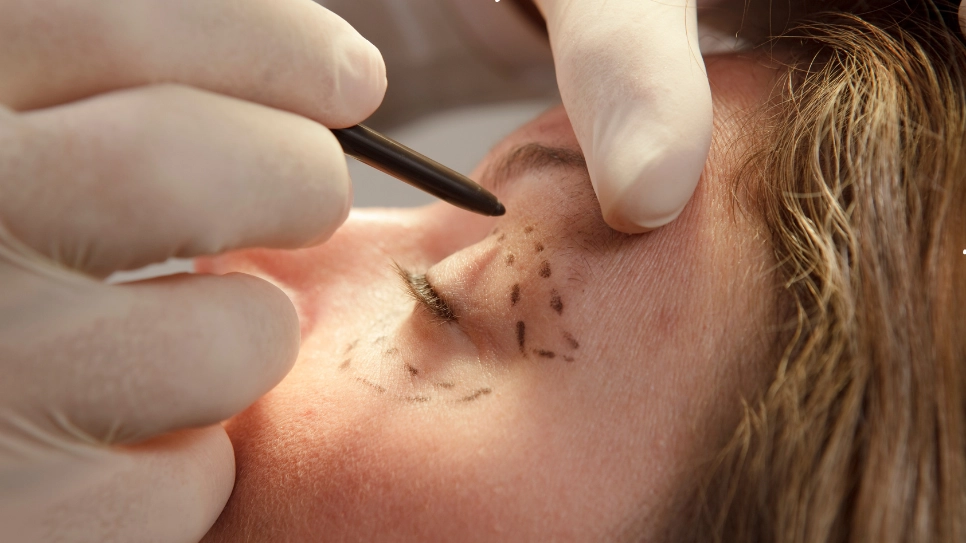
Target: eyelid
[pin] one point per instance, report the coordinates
(425, 294)
(533, 156)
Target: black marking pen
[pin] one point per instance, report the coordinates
(391, 157)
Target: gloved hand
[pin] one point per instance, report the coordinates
(110, 396)
(635, 88)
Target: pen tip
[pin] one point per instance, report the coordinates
(499, 210)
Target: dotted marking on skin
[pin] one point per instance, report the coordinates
(544, 269)
(378, 388)
(379, 339)
(522, 336)
(444, 385)
(528, 229)
(568, 358)
(571, 341)
(538, 247)
(501, 238)
(515, 295)
(390, 351)
(412, 371)
(417, 399)
(509, 259)
(544, 353)
(345, 364)
(555, 302)
(349, 347)
(476, 394)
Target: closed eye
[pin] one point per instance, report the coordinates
(425, 295)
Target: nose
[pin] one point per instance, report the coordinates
(359, 257)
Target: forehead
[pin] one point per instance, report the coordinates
(740, 83)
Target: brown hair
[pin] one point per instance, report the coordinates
(861, 435)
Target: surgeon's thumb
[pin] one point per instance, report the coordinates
(645, 170)
(635, 88)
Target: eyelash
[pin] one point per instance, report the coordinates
(425, 295)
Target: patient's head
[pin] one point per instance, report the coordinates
(540, 377)
(581, 379)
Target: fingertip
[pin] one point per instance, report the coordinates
(362, 81)
(335, 193)
(635, 219)
(192, 474)
(638, 195)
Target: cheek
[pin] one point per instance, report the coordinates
(343, 467)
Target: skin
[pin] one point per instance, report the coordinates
(396, 426)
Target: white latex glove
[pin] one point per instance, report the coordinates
(110, 396)
(635, 88)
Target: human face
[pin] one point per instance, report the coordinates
(586, 377)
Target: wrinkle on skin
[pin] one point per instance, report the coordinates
(664, 329)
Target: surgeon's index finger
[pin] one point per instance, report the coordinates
(288, 54)
(137, 176)
(634, 84)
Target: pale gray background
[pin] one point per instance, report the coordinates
(458, 138)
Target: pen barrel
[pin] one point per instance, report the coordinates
(401, 162)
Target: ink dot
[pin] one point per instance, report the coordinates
(515, 295)
(538, 247)
(412, 371)
(544, 354)
(417, 399)
(509, 259)
(545, 269)
(528, 229)
(390, 351)
(555, 302)
(444, 385)
(345, 364)
(571, 341)
(349, 347)
(521, 335)
(568, 358)
(501, 238)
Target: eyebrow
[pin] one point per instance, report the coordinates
(534, 156)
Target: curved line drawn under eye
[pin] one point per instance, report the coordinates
(424, 390)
